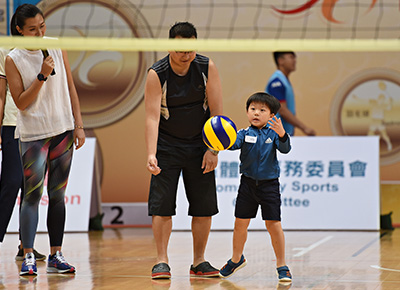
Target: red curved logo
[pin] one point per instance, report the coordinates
(327, 9)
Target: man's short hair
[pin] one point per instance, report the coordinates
(278, 54)
(183, 29)
(270, 101)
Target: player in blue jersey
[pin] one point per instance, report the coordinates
(280, 87)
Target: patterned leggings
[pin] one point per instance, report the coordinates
(55, 155)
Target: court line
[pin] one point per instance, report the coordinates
(313, 246)
(381, 268)
(368, 245)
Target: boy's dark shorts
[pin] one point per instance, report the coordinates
(200, 188)
(250, 196)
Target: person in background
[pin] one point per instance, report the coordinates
(49, 123)
(280, 87)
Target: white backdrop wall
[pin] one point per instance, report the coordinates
(327, 183)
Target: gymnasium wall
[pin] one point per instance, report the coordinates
(336, 92)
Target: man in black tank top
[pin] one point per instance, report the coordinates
(182, 91)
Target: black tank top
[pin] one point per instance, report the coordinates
(184, 108)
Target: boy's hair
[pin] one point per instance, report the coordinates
(22, 13)
(278, 54)
(270, 101)
(183, 29)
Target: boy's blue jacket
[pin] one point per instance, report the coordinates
(258, 152)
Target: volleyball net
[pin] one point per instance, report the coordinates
(112, 43)
(257, 25)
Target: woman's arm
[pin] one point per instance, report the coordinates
(23, 98)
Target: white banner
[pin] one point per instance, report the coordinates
(77, 195)
(327, 183)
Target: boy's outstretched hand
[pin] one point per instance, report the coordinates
(276, 125)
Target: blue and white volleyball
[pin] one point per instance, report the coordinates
(219, 133)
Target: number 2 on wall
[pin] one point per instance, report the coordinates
(119, 214)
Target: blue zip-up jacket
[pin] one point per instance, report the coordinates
(258, 152)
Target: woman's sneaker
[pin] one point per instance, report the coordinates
(29, 265)
(230, 267)
(284, 274)
(57, 264)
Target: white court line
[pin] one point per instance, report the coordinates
(313, 246)
(387, 269)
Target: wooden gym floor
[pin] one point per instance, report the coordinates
(123, 258)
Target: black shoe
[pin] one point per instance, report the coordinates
(204, 270)
(20, 255)
(161, 271)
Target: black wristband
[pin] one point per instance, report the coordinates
(41, 78)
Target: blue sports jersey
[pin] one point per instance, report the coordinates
(279, 86)
(258, 158)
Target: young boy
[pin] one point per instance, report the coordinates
(259, 184)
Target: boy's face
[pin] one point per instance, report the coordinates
(258, 114)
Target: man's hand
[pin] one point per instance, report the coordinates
(152, 165)
(309, 131)
(210, 162)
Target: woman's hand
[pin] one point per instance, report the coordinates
(79, 137)
(47, 66)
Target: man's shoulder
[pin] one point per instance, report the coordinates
(161, 65)
(201, 59)
(275, 83)
(277, 75)
(275, 87)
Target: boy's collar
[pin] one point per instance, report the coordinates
(254, 127)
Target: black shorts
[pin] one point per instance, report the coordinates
(266, 193)
(200, 188)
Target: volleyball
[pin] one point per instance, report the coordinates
(219, 133)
